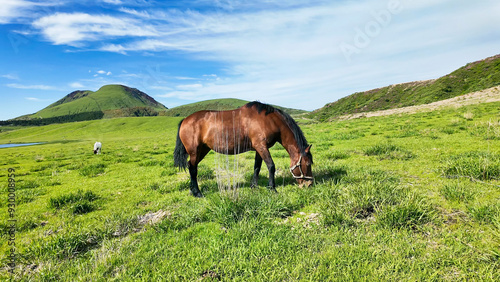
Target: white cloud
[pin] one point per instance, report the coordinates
(74, 28)
(34, 87)
(76, 85)
(103, 72)
(11, 9)
(158, 87)
(114, 2)
(10, 76)
(184, 78)
(33, 99)
(22, 11)
(189, 86)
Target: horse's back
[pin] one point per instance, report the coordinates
(233, 130)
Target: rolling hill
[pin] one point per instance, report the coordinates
(217, 105)
(110, 100)
(472, 77)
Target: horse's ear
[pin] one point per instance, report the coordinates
(308, 149)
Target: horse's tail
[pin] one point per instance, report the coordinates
(180, 153)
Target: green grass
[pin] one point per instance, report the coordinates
(411, 197)
(388, 151)
(475, 165)
(458, 191)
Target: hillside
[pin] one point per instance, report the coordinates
(110, 100)
(489, 95)
(218, 105)
(473, 77)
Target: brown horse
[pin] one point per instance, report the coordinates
(253, 127)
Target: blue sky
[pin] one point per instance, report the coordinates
(300, 54)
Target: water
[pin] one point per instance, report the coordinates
(17, 145)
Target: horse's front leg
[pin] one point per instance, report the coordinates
(256, 170)
(266, 156)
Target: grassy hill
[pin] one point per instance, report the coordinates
(217, 105)
(214, 104)
(111, 100)
(472, 77)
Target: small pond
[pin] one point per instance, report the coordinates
(17, 145)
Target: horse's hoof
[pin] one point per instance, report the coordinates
(272, 189)
(198, 195)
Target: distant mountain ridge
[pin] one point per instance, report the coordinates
(217, 105)
(112, 101)
(472, 77)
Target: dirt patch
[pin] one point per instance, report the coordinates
(153, 218)
(484, 96)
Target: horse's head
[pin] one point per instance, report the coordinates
(302, 170)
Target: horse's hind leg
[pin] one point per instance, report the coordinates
(193, 172)
(194, 159)
(256, 170)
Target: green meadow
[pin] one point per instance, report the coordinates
(410, 197)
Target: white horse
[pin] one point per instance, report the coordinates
(97, 148)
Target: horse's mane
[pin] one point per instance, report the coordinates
(297, 132)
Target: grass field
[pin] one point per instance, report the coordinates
(411, 197)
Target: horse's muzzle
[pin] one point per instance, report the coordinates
(306, 183)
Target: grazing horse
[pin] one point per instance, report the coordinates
(97, 148)
(253, 127)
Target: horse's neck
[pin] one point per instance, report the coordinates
(290, 144)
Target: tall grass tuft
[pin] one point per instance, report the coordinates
(485, 213)
(367, 197)
(360, 196)
(410, 213)
(457, 192)
(93, 170)
(388, 151)
(475, 165)
(63, 200)
(263, 205)
(66, 245)
(333, 208)
(337, 155)
(79, 202)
